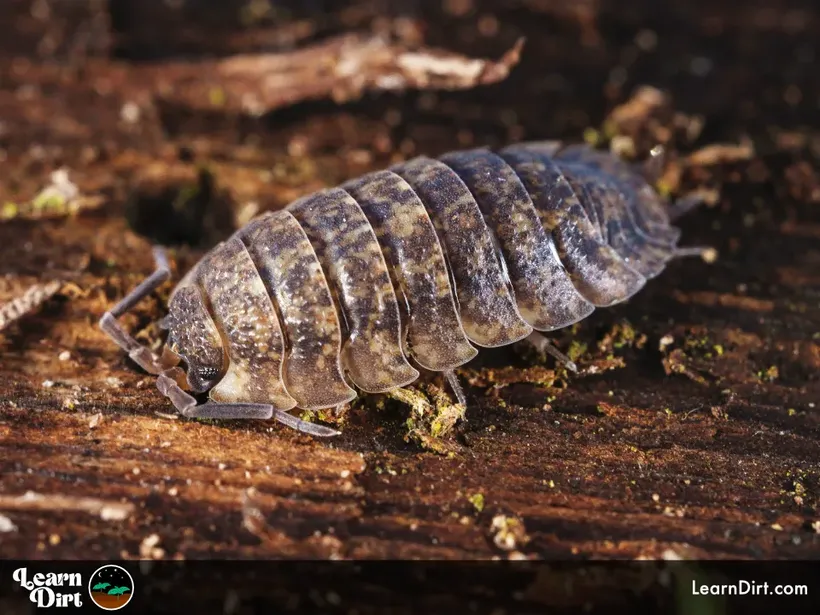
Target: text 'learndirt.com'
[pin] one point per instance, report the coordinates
(748, 588)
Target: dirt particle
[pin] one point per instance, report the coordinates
(149, 547)
(646, 40)
(508, 532)
(6, 525)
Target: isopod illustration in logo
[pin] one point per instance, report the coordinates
(111, 587)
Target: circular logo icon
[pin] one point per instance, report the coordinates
(111, 587)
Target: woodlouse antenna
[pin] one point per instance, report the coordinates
(141, 355)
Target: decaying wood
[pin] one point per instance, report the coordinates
(341, 68)
(30, 300)
(718, 458)
(106, 510)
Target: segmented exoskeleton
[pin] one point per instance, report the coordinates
(414, 266)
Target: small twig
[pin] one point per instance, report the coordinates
(108, 510)
(721, 153)
(341, 68)
(29, 301)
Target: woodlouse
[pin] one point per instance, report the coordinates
(423, 261)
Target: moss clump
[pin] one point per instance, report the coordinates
(477, 500)
(770, 374)
(432, 418)
(622, 335)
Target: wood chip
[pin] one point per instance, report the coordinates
(108, 510)
(28, 302)
(342, 68)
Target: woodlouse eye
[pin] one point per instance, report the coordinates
(207, 374)
(201, 379)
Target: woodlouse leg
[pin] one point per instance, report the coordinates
(141, 355)
(542, 344)
(187, 406)
(452, 380)
(707, 253)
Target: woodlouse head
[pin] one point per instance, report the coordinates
(193, 335)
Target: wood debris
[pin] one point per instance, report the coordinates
(26, 303)
(108, 510)
(341, 68)
(721, 153)
(61, 197)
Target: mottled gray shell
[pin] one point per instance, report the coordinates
(417, 265)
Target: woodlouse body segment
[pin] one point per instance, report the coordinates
(415, 264)
(294, 279)
(602, 277)
(411, 248)
(616, 227)
(355, 268)
(246, 318)
(488, 311)
(543, 290)
(645, 204)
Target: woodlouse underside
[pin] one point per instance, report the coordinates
(415, 266)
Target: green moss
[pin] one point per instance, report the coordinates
(769, 375)
(46, 202)
(477, 500)
(9, 210)
(576, 350)
(664, 189)
(609, 129)
(432, 417)
(217, 97)
(592, 136)
(622, 335)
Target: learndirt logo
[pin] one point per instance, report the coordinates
(110, 588)
(53, 589)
